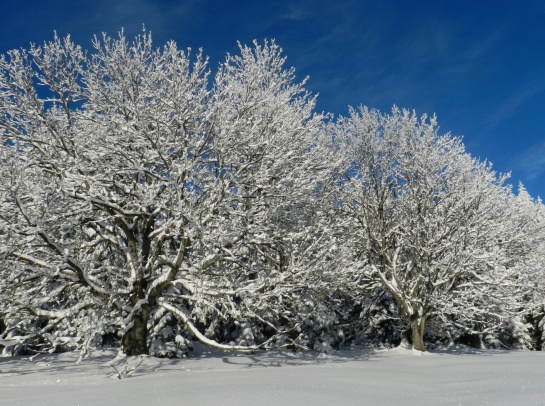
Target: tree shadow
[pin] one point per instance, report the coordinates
(281, 358)
(204, 359)
(58, 364)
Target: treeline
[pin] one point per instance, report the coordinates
(146, 204)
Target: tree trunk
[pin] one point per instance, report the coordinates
(135, 339)
(417, 333)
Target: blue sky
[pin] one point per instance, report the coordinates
(479, 65)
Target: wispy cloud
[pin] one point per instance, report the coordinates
(510, 105)
(131, 15)
(532, 162)
(387, 60)
(298, 11)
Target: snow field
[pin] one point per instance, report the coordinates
(348, 377)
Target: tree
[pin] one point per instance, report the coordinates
(131, 191)
(425, 220)
(528, 255)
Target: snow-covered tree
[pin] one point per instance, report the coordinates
(528, 255)
(269, 159)
(142, 198)
(132, 190)
(424, 220)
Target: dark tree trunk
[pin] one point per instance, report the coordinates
(537, 329)
(135, 339)
(417, 331)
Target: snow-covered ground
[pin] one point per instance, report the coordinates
(348, 377)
